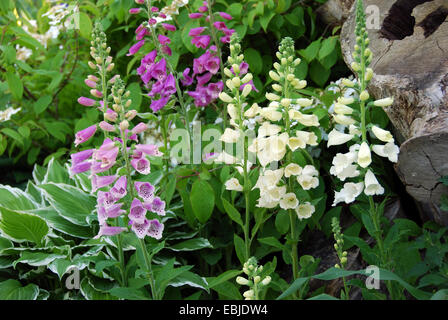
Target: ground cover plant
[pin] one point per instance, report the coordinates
(169, 150)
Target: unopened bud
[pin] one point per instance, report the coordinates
(131, 114)
(92, 65)
(110, 67)
(364, 95)
(124, 125)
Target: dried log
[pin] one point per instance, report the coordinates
(411, 63)
(334, 12)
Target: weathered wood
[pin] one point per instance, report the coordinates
(334, 12)
(411, 63)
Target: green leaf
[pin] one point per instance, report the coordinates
(254, 60)
(273, 242)
(310, 53)
(191, 279)
(37, 259)
(71, 203)
(42, 104)
(16, 199)
(202, 200)
(135, 96)
(265, 19)
(232, 212)
(13, 134)
(191, 245)
(240, 248)
(57, 222)
(335, 273)
(23, 226)
(229, 274)
(327, 47)
(282, 222)
(319, 74)
(85, 25)
(12, 290)
(15, 85)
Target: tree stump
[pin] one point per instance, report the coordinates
(411, 64)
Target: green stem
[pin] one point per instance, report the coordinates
(149, 269)
(165, 142)
(347, 297)
(292, 216)
(124, 279)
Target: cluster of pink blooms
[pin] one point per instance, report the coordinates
(207, 64)
(153, 69)
(103, 159)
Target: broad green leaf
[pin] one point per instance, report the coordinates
(12, 290)
(335, 273)
(327, 47)
(191, 245)
(15, 85)
(85, 25)
(240, 248)
(265, 19)
(37, 259)
(13, 134)
(227, 275)
(232, 212)
(41, 104)
(319, 74)
(310, 53)
(135, 96)
(70, 202)
(202, 200)
(191, 279)
(23, 226)
(59, 223)
(56, 173)
(282, 222)
(254, 60)
(16, 199)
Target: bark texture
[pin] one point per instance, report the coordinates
(411, 64)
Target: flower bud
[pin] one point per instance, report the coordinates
(266, 281)
(98, 60)
(131, 114)
(242, 281)
(364, 95)
(108, 59)
(274, 75)
(247, 89)
(300, 84)
(225, 97)
(297, 61)
(369, 74)
(272, 97)
(128, 103)
(236, 82)
(96, 93)
(110, 67)
(229, 84)
(355, 66)
(106, 126)
(284, 61)
(236, 68)
(257, 279)
(278, 55)
(249, 294)
(290, 77)
(277, 87)
(228, 73)
(343, 260)
(92, 78)
(348, 83)
(92, 65)
(386, 102)
(247, 78)
(124, 125)
(285, 102)
(276, 66)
